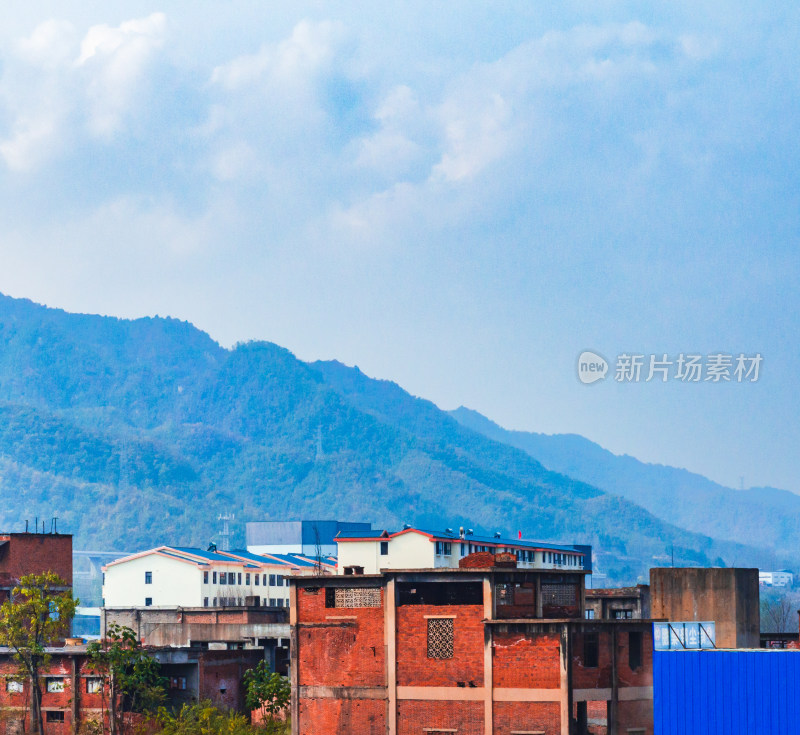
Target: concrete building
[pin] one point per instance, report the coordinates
(728, 597)
(485, 648)
(33, 553)
(414, 548)
(618, 603)
(297, 537)
(174, 576)
(782, 578)
(261, 629)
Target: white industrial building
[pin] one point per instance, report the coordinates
(782, 578)
(173, 576)
(367, 552)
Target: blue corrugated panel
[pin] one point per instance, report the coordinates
(752, 692)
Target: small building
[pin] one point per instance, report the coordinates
(485, 648)
(261, 629)
(33, 553)
(298, 537)
(175, 576)
(415, 548)
(781, 578)
(619, 603)
(728, 597)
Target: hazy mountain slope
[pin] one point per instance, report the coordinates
(142, 432)
(764, 516)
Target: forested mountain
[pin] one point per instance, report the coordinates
(764, 516)
(136, 433)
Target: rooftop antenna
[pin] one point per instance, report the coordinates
(225, 534)
(26, 525)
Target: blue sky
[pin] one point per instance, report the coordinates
(460, 197)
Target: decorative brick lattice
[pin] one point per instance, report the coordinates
(358, 597)
(440, 638)
(560, 594)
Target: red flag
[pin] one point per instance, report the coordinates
(519, 536)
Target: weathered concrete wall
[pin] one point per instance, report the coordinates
(729, 597)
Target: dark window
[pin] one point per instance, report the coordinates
(205, 602)
(287, 602)
(634, 650)
(148, 601)
(223, 578)
(247, 578)
(280, 581)
(239, 578)
(591, 650)
(54, 716)
(205, 577)
(443, 548)
(214, 577)
(148, 578)
(265, 580)
(384, 548)
(623, 614)
(435, 593)
(258, 578)
(272, 579)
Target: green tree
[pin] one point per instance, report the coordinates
(131, 678)
(36, 616)
(267, 691)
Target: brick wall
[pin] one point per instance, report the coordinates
(531, 716)
(34, 553)
(524, 661)
(414, 668)
(344, 646)
(413, 716)
(340, 716)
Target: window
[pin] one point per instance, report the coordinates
(265, 580)
(223, 578)
(352, 597)
(634, 650)
(94, 685)
(623, 614)
(272, 602)
(590, 614)
(240, 578)
(591, 650)
(148, 578)
(247, 578)
(148, 601)
(384, 548)
(54, 715)
(205, 577)
(214, 577)
(287, 602)
(443, 548)
(280, 581)
(257, 578)
(14, 686)
(177, 682)
(205, 602)
(55, 684)
(440, 638)
(279, 602)
(272, 580)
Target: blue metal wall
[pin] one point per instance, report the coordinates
(746, 692)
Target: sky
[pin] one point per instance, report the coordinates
(460, 197)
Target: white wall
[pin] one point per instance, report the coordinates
(180, 584)
(406, 551)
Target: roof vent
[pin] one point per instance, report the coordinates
(497, 534)
(406, 526)
(448, 530)
(470, 532)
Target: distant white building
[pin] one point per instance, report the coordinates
(368, 552)
(173, 576)
(782, 578)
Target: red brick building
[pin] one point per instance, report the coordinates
(33, 553)
(474, 651)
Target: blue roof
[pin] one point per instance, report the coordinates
(295, 560)
(360, 534)
(492, 540)
(210, 555)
